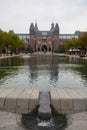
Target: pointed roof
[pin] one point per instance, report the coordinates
(31, 26)
(52, 27)
(37, 32)
(36, 27)
(56, 26)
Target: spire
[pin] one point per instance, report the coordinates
(56, 30)
(36, 27)
(52, 27)
(31, 26)
(32, 29)
(56, 26)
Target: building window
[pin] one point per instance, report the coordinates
(44, 40)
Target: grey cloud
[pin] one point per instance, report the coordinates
(18, 14)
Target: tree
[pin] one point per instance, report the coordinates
(71, 44)
(10, 42)
(80, 43)
(1, 41)
(61, 48)
(83, 41)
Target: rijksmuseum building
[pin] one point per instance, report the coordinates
(46, 40)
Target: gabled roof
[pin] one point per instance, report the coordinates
(48, 33)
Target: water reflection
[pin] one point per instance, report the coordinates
(43, 72)
(44, 69)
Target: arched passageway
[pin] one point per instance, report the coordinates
(44, 48)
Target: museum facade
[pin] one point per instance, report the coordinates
(49, 40)
(44, 40)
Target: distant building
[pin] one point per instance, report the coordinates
(11, 31)
(64, 37)
(46, 40)
(79, 33)
(24, 36)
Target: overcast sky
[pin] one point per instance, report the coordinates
(17, 15)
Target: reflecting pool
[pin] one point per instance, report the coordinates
(44, 72)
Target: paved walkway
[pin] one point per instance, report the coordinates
(76, 56)
(69, 100)
(64, 100)
(18, 100)
(9, 56)
(10, 121)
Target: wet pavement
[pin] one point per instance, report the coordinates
(9, 121)
(77, 121)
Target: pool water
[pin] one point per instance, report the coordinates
(44, 72)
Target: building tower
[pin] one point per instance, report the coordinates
(32, 37)
(56, 37)
(44, 40)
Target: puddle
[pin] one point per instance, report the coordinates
(32, 123)
(9, 121)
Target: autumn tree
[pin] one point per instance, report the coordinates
(83, 41)
(10, 42)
